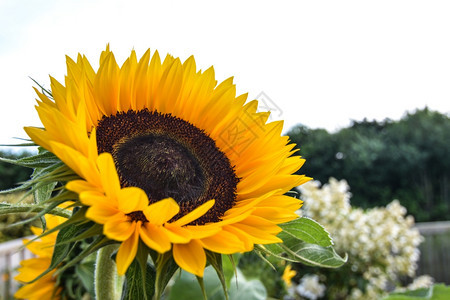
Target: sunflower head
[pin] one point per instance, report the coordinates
(168, 159)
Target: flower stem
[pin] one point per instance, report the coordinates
(105, 274)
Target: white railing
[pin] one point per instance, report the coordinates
(435, 250)
(11, 253)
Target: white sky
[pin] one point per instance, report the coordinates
(322, 63)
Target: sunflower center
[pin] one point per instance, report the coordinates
(169, 157)
(173, 170)
(137, 216)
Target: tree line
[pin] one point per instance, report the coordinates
(408, 160)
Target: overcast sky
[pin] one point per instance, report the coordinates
(319, 63)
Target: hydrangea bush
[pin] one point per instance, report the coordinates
(382, 244)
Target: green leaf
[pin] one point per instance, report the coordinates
(305, 241)
(247, 289)
(307, 230)
(435, 292)
(134, 287)
(62, 248)
(301, 252)
(186, 287)
(85, 272)
(41, 160)
(44, 192)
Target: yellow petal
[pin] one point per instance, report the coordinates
(108, 174)
(275, 214)
(79, 186)
(39, 136)
(132, 199)
(257, 235)
(243, 237)
(223, 242)
(127, 251)
(190, 257)
(177, 234)
(162, 211)
(77, 162)
(195, 214)
(155, 237)
(92, 198)
(102, 212)
(119, 228)
(203, 231)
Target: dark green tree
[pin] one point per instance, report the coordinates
(406, 160)
(11, 175)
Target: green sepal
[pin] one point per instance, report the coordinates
(99, 242)
(307, 230)
(165, 268)
(94, 230)
(62, 248)
(134, 287)
(229, 265)
(202, 287)
(215, 259)
(40, 160)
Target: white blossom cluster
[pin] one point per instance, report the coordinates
(382, 243)
(310, 287)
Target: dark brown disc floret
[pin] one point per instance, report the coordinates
(169, 157)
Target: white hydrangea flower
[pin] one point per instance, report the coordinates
(383, 237)
(310, 287)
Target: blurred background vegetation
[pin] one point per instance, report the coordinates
(408, 160)
(10, 176)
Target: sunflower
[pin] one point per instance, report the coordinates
(45, 287)
(169, 157)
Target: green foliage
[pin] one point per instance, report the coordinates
(7, 231)
(11, 174)
(186, 287)
(305, 241)
(405, 160)
(435, 292)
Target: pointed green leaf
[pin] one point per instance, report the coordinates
(308, 254)
(307, 230)
(40, 160)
